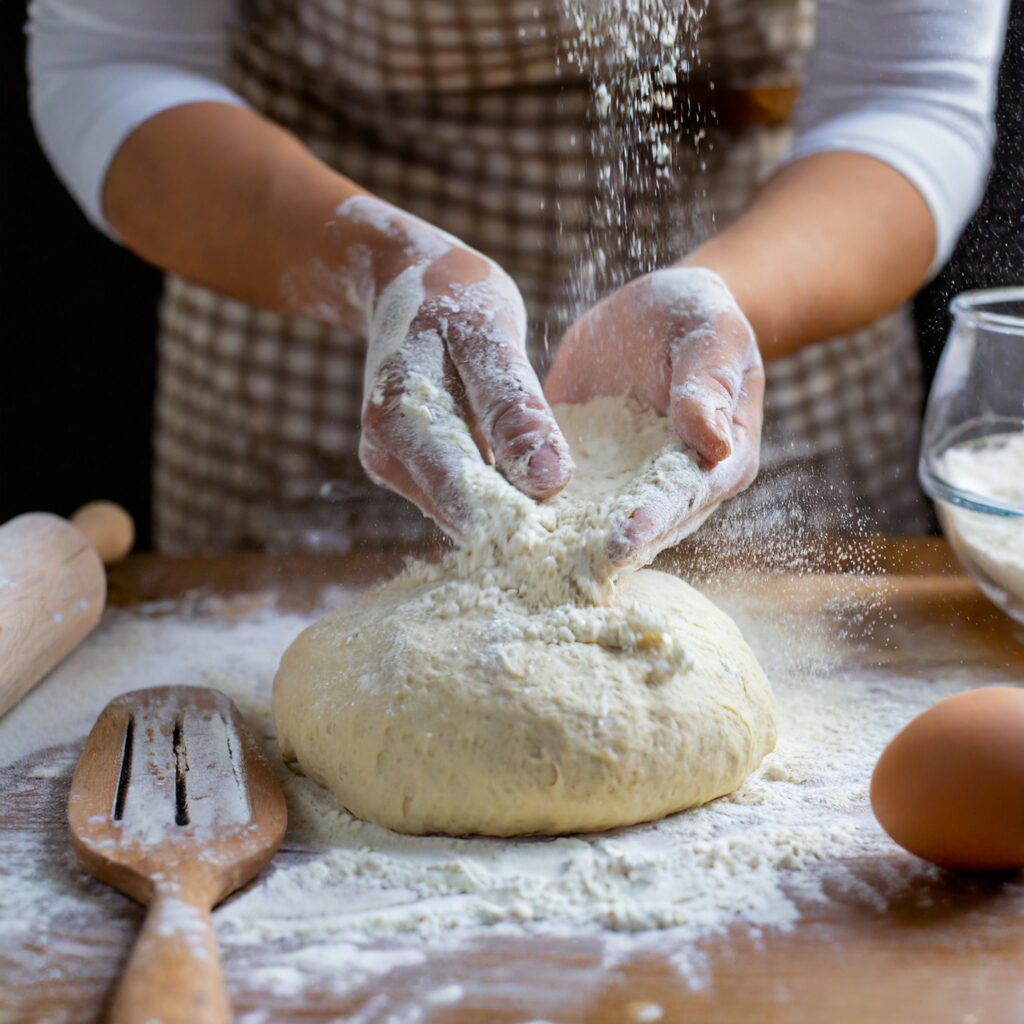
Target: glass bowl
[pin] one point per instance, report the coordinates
(972, 455)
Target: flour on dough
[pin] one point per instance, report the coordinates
(518, 686)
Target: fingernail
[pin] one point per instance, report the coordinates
(721, 449)
(546, 468)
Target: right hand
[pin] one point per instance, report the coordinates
(677, 340)
(448, 387)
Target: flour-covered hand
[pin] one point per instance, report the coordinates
(677, 340)
(448, 387)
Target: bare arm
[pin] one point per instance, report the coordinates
(230, 200)
(830, 243)
(894, 134)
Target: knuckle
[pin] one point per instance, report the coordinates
(515, 425)
(726, 380)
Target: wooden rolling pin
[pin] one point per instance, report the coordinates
(53, 587)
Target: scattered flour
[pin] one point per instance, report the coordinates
(177, 919)
(642, 1013)
(992, 469)
(645, 137)
(352, 902)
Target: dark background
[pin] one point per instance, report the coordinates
(78, 314)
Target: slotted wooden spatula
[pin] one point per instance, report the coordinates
(174, 804)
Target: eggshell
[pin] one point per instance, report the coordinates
(950, 785)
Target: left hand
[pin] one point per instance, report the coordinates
(678, 342)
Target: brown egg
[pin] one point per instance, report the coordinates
(950, 785)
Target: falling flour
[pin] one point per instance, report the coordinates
(353, 902)
(644, 141)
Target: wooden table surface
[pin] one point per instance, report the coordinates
(949, 948)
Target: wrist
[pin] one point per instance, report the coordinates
(380, 242)
(355, 254)
(715, 256)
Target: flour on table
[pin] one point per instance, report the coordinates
(352, 902)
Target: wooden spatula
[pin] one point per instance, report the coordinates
(174, 804)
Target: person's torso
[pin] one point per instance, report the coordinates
(480, 116)
(486, 118)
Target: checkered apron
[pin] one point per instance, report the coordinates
(469, 114)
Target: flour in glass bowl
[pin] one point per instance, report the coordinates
(349, 902)
(990, 468)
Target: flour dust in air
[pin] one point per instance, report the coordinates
(645, 137)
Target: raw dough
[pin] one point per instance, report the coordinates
(425, 716)
(515, 689)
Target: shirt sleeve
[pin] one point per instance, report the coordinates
(911, 83)
(100, 68)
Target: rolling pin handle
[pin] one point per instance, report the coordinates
(108, 528)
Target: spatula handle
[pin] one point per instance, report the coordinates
(173, 975)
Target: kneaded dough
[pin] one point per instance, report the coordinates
(450, 706)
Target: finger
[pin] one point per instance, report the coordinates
(669, 506)
(387, 471)
(662, 503)
(513, 416)
(425, 470)
(737, 473)
(661, 517)
(446, 464)
(505, 396)
(416, 440)
(707, 372)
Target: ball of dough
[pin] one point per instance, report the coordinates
(425, 713)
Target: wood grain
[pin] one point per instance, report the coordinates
(946, 949)
(174, 804)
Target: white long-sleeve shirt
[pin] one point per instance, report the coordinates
(908, 82)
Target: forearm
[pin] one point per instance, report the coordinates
(827, 245)
(893, 134)
(224, 197)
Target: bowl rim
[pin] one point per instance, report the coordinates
(965, 306)
(937, 488)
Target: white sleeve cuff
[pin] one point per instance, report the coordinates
(83, 117)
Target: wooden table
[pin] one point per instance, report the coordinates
(946, 950)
